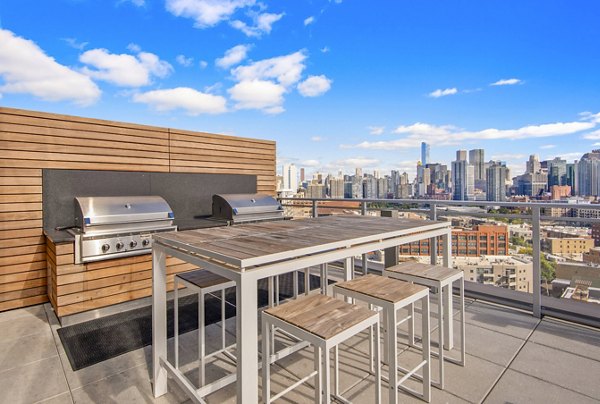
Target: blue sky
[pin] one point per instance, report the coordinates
(338, 84)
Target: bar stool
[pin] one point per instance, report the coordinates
(392, 295)
(323, 322)
(203, 282)
(442, 279)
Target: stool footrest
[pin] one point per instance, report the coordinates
(293, 386)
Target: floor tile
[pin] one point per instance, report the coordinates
(515, 387)
(502, 319)
(64, 398)
(558, 367)
(31, 348)
(568, 337)
(23, 325)
(34, 382)
(27, 312)
(130, 386)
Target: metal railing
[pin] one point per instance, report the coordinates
(539, 305)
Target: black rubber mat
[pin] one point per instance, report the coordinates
(98, 340)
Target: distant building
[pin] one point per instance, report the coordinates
(337, 188)
(500, 271)
(596, 234)
(567, 245)
(370, 187)
(531, 184)
(315, 191)
(302, 178)
(558, 192)
(382, 188)
(533, 164)
(496, 181)
(476, 159)
(463, 179)
(557, 172)
(425, 153)
(290, 178)
(480, 240)
(588, 174)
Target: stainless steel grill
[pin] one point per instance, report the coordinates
(111, 227)
(240, 208)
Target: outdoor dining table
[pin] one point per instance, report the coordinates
(247, 253)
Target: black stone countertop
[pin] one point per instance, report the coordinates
(59, 236)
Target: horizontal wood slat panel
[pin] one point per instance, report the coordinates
(23, 302)
(20, 172)
(21, 242)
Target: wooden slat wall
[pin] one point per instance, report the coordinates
(31, 141)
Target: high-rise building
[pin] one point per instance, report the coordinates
(588, 174)
(358, 172)
(476, 159)
(315, 190)
(461, 155)
(357, 186)
(290, 178)
(571, 177)
(463, 179)
(557, 172)
(302, 178)
(337, 187)
(496, 181)
(382, 188)
(425, 153)
(533, 164)
(370, 187)
(531, 184)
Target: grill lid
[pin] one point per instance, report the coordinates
(110, 210)
(246, 207)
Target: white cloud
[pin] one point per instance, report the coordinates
(124, 69)
(233, 56)
(203, 64)
(261, 24)
(73, 43)
(310, 163)
(509, 156)
(309, 20)
(133, 47)
(192, 101)
(507, 82)
(324, 49)
(567, 156)
(184, 61)
(376, 130)
(287, 70)
(314, 86)
(362, 162)
(442, 93)
(548, 146)
(450, 135)
(258, 94)
(588, 116)
(316, 139)
(26, 69)
(206, 13)
(595, 135)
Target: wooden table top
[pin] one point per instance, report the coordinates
(252, 244)
(382, 288)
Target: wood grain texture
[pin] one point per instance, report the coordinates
(379, 287)
(31, 141)
(427, 271)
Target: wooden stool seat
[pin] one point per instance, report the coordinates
(427, 271)
(321, 315)
(379, 287)
(202, 278)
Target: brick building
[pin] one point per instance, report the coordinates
(480, 240)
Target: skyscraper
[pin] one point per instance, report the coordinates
(476, 159)
(337, 188)
(496, 181)
(461, 155)
(290, 178)
(302, 174)
(424, 153)
(588, 174)
(463, 179)
(533, 164)
(557, 172)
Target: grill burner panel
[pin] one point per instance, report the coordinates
(113, 227)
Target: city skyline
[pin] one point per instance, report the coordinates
(301, 73)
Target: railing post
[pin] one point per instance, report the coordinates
(537, 270)
(433, 243)
(314, 208)
(363, 208)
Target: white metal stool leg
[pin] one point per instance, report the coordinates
(324, 275)
(326, 376)
(266, 361)
(223, 326)
(176, 319)
(306, 281)
(318, 369)
(392, 347)
(440, 296)
(295, 283)
(201, 339)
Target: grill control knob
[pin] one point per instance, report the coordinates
(133, 244)
(145, 242)
(105, 247)
(120, 245)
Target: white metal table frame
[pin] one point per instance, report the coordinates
(445, 315)
(246, 277)
(390, 319)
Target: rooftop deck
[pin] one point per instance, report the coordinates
(511, 357)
